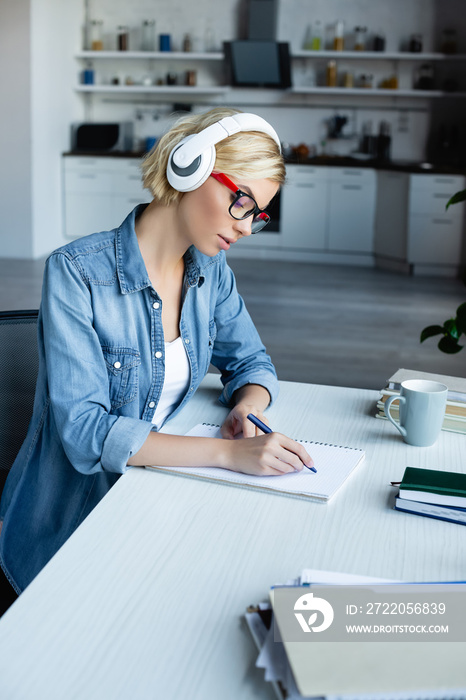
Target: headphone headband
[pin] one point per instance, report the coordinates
(192, 160)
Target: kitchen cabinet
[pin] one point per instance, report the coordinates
(328, 209)
(303, 217)
(351, 210)
(99, 192)
(413, 230)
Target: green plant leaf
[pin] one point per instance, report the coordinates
(451, 329)
(449, 345)
(458, 197)
(430, 331)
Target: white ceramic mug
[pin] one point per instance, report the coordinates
(422, 410)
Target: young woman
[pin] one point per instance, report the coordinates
(130, 320)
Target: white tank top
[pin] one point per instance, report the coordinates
(176, 381)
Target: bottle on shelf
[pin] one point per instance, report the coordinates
(187, 43)
(209, 39)
(449, 41)
(317, 36)
(339, 37)
(123, 38)
(95, 35)
(360, 38)
(379, 41)
(307, 43)
(148, 35)
(331, 74)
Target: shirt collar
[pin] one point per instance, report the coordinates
(131, 270)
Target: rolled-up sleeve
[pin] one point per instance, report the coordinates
(93, 439)
(238, 351)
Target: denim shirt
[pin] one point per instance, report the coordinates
(101, 373)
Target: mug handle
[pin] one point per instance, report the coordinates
(386, 408)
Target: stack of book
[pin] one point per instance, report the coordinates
(350, 670)
(455, 412)
(433, 493)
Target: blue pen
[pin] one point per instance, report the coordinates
(265, 429)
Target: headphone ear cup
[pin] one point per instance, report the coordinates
(195, 174)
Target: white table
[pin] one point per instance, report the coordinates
(146, 599)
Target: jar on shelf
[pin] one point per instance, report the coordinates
(331, 74)
(449, 41)
(148, 35)
(307, 43)
(95, 35)
(379, 41)
(123, 38)
(190, 78)
(366, 80)
(348, 81)
(360, 38)
(339, 38)
(425, 77)
(415, 43)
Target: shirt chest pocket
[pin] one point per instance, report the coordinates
(123, 374)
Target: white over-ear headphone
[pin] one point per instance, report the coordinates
(192, 160)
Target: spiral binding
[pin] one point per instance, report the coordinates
(307, 442)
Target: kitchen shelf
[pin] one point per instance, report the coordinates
(379, 55)
(150, 55)
(155, 89)
(368, 92)
(219, 56)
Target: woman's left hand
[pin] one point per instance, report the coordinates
(237, 421)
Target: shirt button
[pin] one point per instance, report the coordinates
(152, 404)
(155, 305)
(158, 354)
(186, 340)
(117, 365)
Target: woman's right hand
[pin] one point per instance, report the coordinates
(266, 455)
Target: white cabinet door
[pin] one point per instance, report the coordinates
(435, 240)
(303, 213)
(435, 234)
(99, 193)
(351, 211)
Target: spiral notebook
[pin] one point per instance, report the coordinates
(334, 464)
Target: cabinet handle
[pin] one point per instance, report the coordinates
(305, 184)
(441, 221)
(352, 172)
(448, 180)
(352, 187)
(441, 196)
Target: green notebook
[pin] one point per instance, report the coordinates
(434, 486)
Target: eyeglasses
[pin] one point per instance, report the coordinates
(243, 205)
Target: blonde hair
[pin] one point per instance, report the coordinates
(251, 155)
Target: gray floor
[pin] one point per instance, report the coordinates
(324, 324)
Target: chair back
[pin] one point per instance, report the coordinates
(19, 364)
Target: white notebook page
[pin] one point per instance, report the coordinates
(334, 464)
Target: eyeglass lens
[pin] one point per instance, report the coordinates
(243, 207)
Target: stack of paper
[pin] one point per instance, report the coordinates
(455, 412)
(316, 671)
